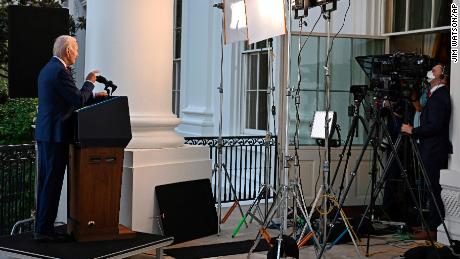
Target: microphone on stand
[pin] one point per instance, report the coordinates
(218, 5)
(107, 84)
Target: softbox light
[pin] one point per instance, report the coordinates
(265, 19)
(318, 128)
(235, 25)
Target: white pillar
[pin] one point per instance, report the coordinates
(450, 178)
(131, 43)
(198, 61)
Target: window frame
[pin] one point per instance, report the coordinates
(389, 13)
(245, 54)
(177, 64)
(319, 91)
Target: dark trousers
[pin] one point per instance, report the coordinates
(52, 161)
(433, 166)
(397, 202)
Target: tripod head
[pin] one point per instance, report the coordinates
(359, 92)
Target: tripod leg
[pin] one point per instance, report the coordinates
(381, 181)
(280, 242)
(271, 212)
(348, 229)
(229, 212)
(261, 215)
(304, 212)
(353, 174)
(353, 237)
(344, 170)
(411, 192)
(234, 194)
(248, 212)
(374, 172)
(348, 141)
(430, 188)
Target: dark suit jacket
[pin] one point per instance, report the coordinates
(433, 131)
(58, 97)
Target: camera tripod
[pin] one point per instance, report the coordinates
(378, 123)
(353, 130)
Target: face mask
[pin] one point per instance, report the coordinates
(429, 76)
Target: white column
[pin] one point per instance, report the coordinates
(197, 65)
(131, 43)
(450, 178)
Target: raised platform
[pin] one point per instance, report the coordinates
(24, 246)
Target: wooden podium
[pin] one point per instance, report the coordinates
(101, 132)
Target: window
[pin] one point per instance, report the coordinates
(441, 13)
(435, 44)
(176, 90)
(399, 15)
(420, 14)
(408, 15)
(255, 83)
(344, 72)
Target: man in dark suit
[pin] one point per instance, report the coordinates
(435, 145)
(58, 98)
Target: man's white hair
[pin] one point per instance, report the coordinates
(62, 43)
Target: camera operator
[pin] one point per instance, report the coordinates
(435, 146)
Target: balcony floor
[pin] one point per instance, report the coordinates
(380, 247)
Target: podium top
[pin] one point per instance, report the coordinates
(103, 124)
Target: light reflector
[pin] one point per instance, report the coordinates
(265, 19)
(235, 25)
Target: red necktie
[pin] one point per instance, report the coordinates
(429, 94)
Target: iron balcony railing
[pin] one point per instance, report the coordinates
(17, 185)
(246, 159)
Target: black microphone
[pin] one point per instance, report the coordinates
(106, 82)
(219, 5)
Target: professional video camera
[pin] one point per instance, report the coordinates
(394, 76)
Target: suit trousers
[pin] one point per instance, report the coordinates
(433, 165)
(52, 161)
